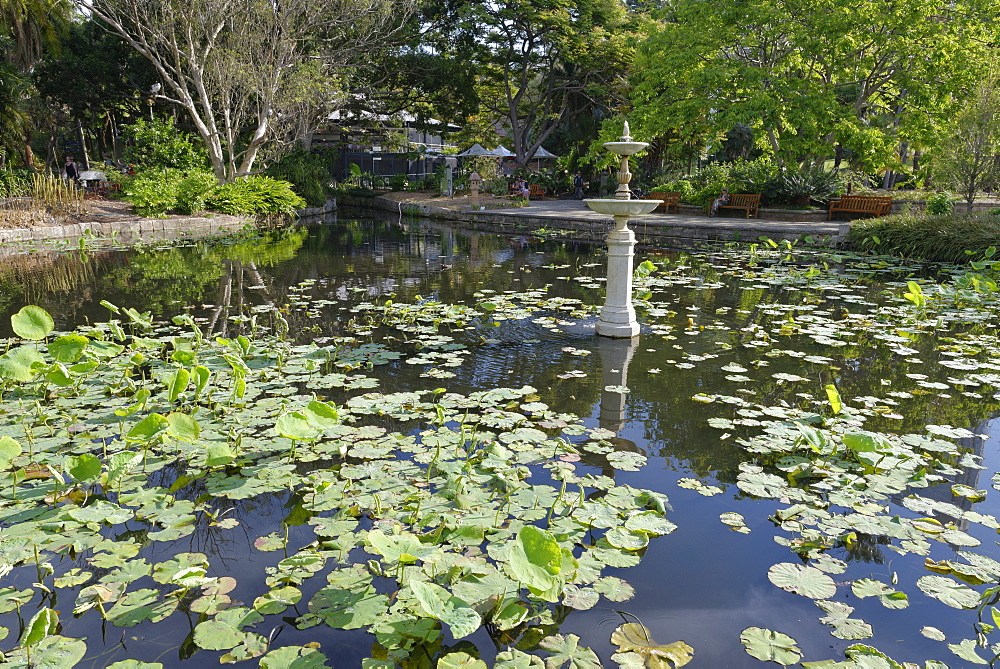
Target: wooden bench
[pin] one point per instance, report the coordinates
(878, 205)
(670, 201)
(748, 202)
(536, 192)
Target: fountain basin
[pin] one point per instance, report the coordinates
(623, 207)
(625, 148)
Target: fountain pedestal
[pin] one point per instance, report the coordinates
(618, 315)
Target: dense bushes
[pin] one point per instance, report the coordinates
(956, 238)
(309, 174)
(157, 192)
(158, 144)
(754, 176)
(15, 182)
(254, 196)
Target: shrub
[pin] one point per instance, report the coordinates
(756, 176)
(158, 144)
(309, 174)
(813, 184)
(15, 182)
(956, 238)
(153, 192)
(192, 191)
(256, 195)
(940, 203)
(397, 182)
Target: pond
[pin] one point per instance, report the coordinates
(390, 443)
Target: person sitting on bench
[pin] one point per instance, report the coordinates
(718, 202)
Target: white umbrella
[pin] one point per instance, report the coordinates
(542, 153)
(502, 151)
(476, 150)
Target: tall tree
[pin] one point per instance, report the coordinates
(969, 157)
(247, 70)
(805, 75)
(539, 63)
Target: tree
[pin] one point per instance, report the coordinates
(970, 153)
(539, 63)
(806, 75)
(246, 71)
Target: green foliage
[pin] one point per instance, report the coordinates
(254, 196)
(756, 176)
(816, 184)
(153, 192)
(309, 174)
(957, 238)
(192, 191)
(158, 144)
(14, 182)
(940, 203)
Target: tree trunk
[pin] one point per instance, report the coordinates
(84, 161)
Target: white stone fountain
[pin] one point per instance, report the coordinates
(618, 315)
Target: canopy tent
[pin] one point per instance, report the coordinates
(503, 152)
(475, 150)
(541, 154)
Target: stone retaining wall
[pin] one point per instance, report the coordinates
(129, 231)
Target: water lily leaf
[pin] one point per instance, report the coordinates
(801, 580)
(948, 591)
(215, 635)
(148, 428)
(218, 455)
(625, 540)
(966, 649)
(460, 660)
(178, 384)
(85, 467)
(567, 648)
(614, 588)
(535, 558)
(32, 322)
(134, 664)
(767, 645)
(294, 657)
(141, 605)
(404, 547)
(579, 598)
(52, 652)
(270, 542)
(19, 364)
(277, 600)
(9, 449)
(295, 425)
(442, 605)
(322, 414)
(735, 521)
(635, 638)
(513, 658)
(42, 624)
(68, 348)
(182, 426)
(343, 609)
(933, 633)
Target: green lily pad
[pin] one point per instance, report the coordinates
(801, 580)
(770, 646)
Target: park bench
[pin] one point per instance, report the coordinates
(878, 205)
(748, 202)
(670, 201)
(536, 192)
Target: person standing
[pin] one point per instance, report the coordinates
(578, 185)
(71, 170)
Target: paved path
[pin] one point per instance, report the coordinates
(671, 228)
